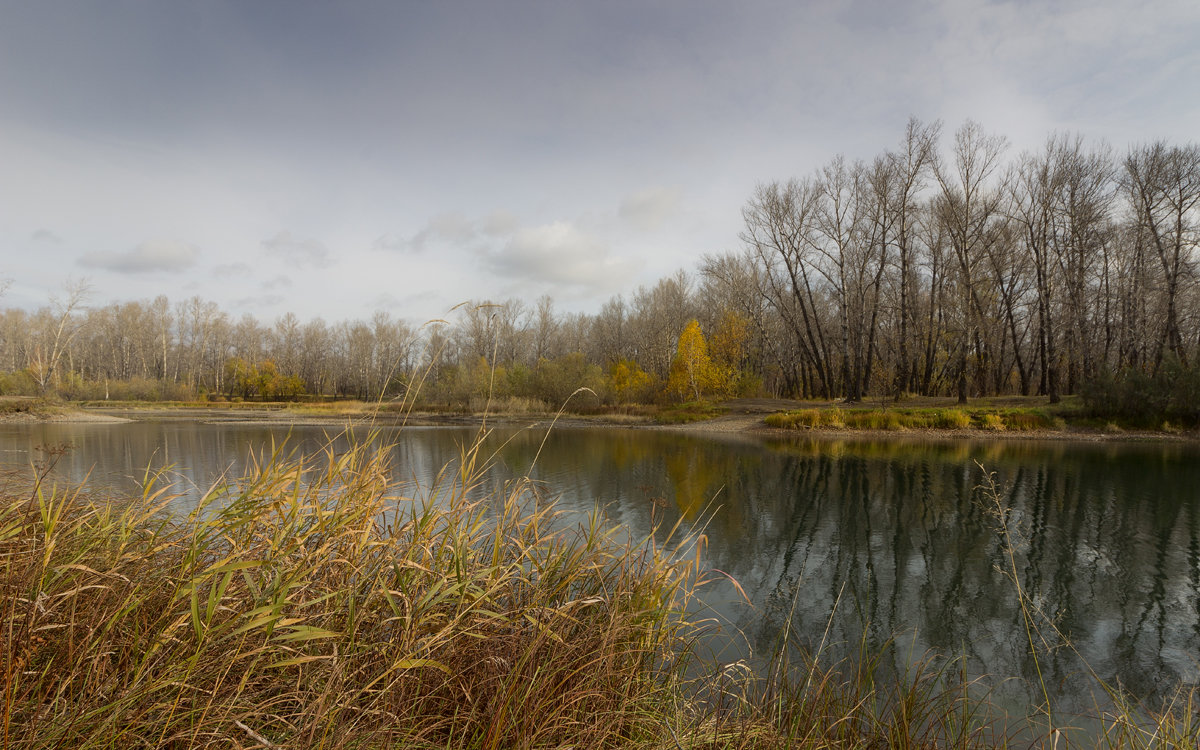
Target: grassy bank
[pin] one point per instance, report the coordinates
(16, 407)
(865, 418)
(1012, 414)
(307, 605)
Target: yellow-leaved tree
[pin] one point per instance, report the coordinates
(692, 370)
(629, 382)
(727, 346)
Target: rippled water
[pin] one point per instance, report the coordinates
(850, 541)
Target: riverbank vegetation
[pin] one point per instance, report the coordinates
(309, 604)
(1010, 414)
(943, 266)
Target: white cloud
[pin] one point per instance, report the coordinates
(561, 256)
(557, 253)
(155, 255)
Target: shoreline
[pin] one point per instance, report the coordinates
(745, 421)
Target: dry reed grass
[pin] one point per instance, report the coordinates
(902, 418)
(307, 605)
(304, 606)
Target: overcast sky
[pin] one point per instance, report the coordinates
(333, 159)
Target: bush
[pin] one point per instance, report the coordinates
(993, 422)
(952, 419)
(795, 420)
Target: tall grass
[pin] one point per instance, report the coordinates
(899, 419)
(306, 606)
(310, 604)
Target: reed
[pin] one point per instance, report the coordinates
(307, 605)
(312, 604)
(904, 418)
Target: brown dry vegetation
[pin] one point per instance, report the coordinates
(307, 605)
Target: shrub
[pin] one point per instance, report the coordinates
(992, 422)
(1024, 421)
(835, 418)
(795, 420)
(952, 419)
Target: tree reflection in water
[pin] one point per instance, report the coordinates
(1108, 535)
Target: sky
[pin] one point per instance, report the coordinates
(337, 159)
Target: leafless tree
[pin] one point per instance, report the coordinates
(64, 325)
(1163, 183)
(779, 222)
(969, 206)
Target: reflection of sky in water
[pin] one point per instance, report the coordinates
(893, 534)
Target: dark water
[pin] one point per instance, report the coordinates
(851, 541)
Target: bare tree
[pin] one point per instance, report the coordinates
(658, 316)
(544, 330)
(66, 325)
(779, 221)
(969, 207)
(1163, 183)
(907, 174)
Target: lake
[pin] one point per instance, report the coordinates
(849, 541)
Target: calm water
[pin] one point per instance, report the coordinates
(848, 539)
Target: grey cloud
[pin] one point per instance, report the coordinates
(452, 228)
(390, 242)
(45, 235)
(649, 209)
(499, 224)
(279, 282)
(389, 301)
(266, 300)
(230, 269)
(298, 252)
(384, 301)
(157, 255)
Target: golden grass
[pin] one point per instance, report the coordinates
(308, 604)
(914, 418)
(305, 606)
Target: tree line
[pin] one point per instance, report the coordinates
(933, 268)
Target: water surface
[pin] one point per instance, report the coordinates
(848, 541)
